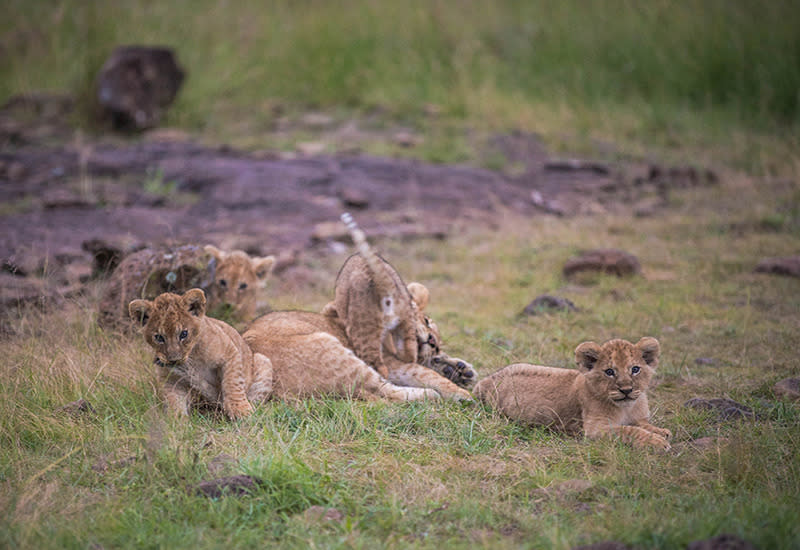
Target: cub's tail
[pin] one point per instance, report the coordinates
(382, 279)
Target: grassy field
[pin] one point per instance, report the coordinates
(710, 82)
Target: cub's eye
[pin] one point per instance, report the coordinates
(242, 286)
(609, 372)
(184, 334)
(427, 322)
(437, 360)
(223, 283)
(635, 370)
(158, 338)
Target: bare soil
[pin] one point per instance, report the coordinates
(60, 198)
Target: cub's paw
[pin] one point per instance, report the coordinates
(663, 432)
(454, 369)
(238, 410)
(658, 442)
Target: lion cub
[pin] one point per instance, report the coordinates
(200, 359)
(605, 396)
(231, 280)
(374, 305)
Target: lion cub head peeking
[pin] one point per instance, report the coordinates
(237, 281)
(605, 396)
(201, 360)
(429, 341)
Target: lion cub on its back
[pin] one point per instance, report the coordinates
(375, 306)
(200, 359)
(606, 396)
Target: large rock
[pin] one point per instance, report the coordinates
(789, 265)
(136, 85)
(604, 260)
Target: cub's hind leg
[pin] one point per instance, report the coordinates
(366, 338)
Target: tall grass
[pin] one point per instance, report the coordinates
(475, 60)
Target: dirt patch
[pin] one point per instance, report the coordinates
(128, 194)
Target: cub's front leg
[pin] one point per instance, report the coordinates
(177, 394)
(234, 390)
(634, 435)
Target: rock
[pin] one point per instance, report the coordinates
(611, 261)
(353, 197)
(311, 148)
(721, 542)
(605, 545)
(789, 266)
(788, 388)
(704, 361)
(726, 409)
(76, 408)
(105, 256)
(546, 302)
(233, 485)
(136, 85)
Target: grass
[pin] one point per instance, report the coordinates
(428, 474)
(709, 83)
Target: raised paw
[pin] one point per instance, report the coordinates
(456, 370)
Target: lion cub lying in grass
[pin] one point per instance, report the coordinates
(311, 356)
(606, 396)
(200, 359)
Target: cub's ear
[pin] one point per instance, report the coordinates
(194, 301)
(214, 251)
(420, 295)
(139, 311)
(263, 266)
(650, 349)
(586, 355)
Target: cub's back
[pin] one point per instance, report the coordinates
(534, 394)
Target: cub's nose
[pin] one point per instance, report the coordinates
(626, 391)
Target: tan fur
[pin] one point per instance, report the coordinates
(311, 355)
(374, 306)
(238, 280)
(603, 397)
(152, 271)
(200, 359)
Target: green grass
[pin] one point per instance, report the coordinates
(672, 71)
(686, 82)
(433, 474)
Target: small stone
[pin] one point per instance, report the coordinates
(726, 409)
(311, 148)
(546, 302)
(611, 261)
(789, 266)
(721, 542)
(788, 388)
(76, 408)
(704, 361)
(234, 485)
